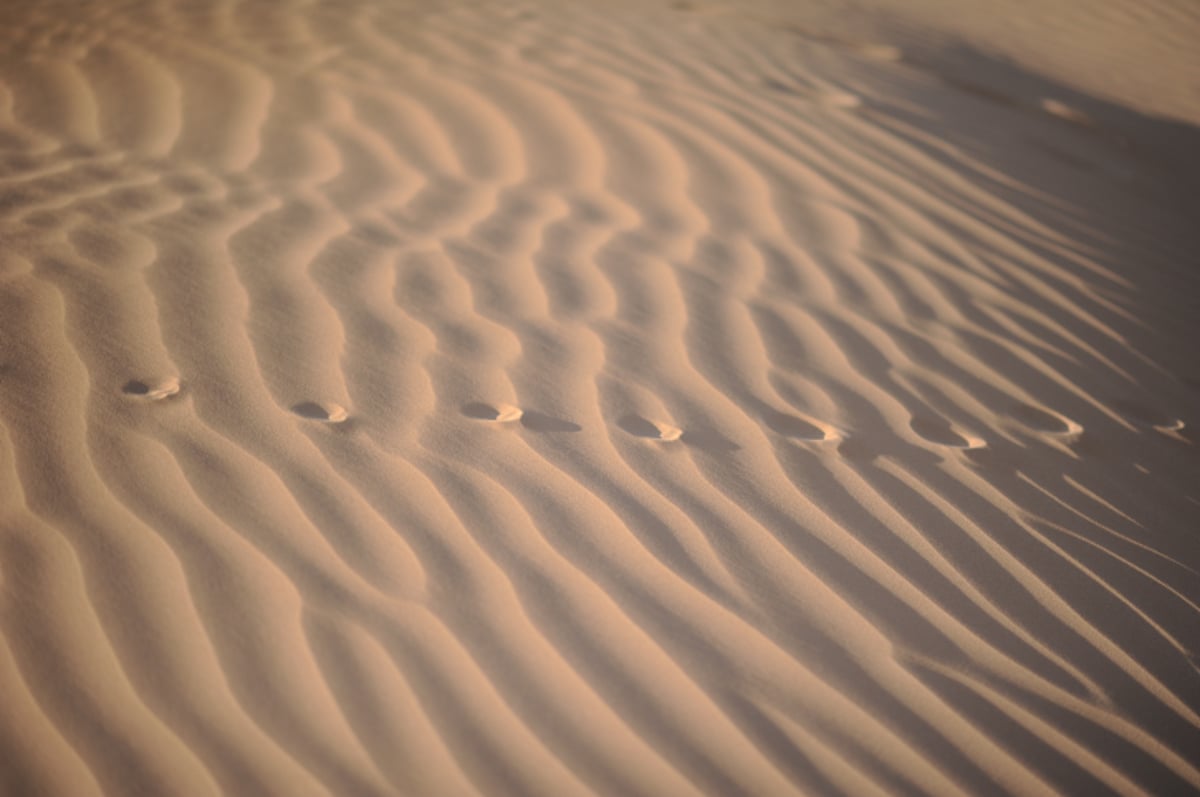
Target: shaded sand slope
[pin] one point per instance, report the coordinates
(566, 399)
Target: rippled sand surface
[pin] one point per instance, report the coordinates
(580, 398)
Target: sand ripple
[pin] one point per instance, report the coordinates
(517, 399)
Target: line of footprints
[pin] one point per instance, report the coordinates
(934, 430)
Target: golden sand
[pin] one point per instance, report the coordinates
(572, 398)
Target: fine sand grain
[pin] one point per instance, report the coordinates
(599, 398)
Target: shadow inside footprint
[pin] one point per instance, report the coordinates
(1146, 416)
(329, 413)
(1065, 112)
(480, 411)
(153, 392)
(638, 426)
(1040, 420)
(540, 422)
(791, 426)
(839, 99)
(702, 439)
(937, 431)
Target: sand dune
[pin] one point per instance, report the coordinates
(613, 399)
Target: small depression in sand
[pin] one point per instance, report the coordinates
(1065, 112)
(324, 411)
(942, 433)
(495, 413)
(1041, 420)
(1148, 417)
(836, 98)
(800, 429)
(645, 428)
(153, 390)
(878, 52)
(511, 414)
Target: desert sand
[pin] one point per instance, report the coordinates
(599, 398)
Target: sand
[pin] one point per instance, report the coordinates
(578, 398)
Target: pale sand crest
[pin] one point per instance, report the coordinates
(542, 398)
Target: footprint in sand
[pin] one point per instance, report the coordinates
(1045, 421)
(325, 411)
(826, 97)
(707, 440)
(834, 98)
(798, 428)
(496, 413)
(155, 390)
(1066, 112)
(877, 52)
(529, 419)
(1147, 417)
(940, 432)
(638, 426)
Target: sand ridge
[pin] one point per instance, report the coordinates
(567, 399)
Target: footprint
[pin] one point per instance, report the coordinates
(877, 52)
(153, 391)
(321, 411)
(638, 426)
(498, 413)
(873, 51)
(507, 413)
(940, 432)
(792, 426)
(839, 99)
(1147, 417)
(1065, 112)
(1045, 421)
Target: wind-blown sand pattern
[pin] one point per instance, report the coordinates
(529, 398)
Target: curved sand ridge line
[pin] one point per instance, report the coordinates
(529, 400)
